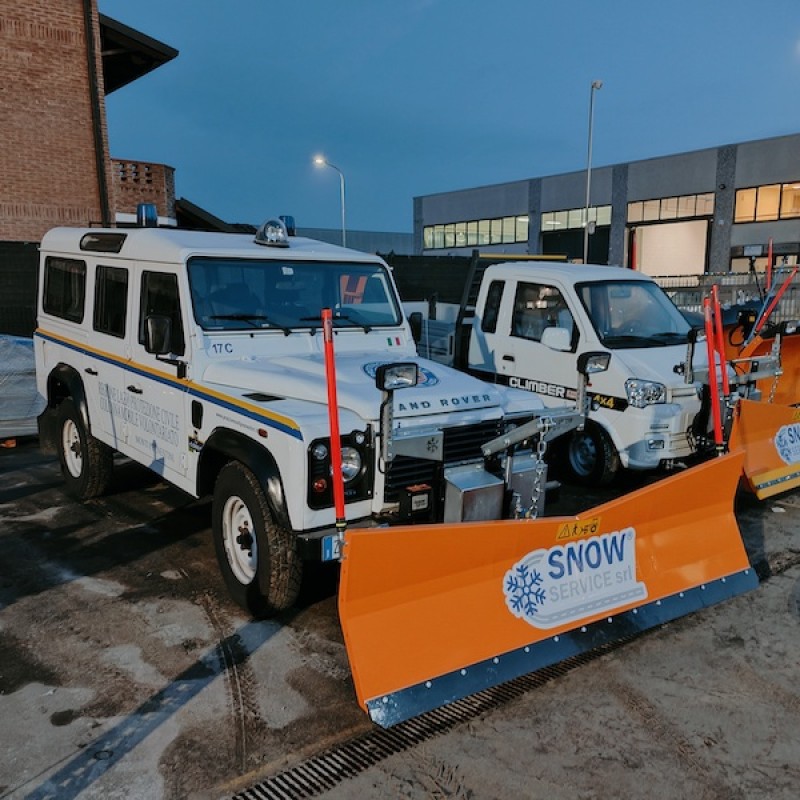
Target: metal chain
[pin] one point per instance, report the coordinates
(538, 483)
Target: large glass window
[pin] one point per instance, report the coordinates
(245, 294)
(632, 314)
(64, 288)
(475, 233)
(683, 207)
(573, 218)
(110, 300)
(767, 203)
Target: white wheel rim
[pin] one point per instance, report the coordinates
(239, 539)
(71, 447)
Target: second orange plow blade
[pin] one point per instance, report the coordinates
(769, 434)
(433, 613)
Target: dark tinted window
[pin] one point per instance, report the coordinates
(110, 300)
(492, 309)
(64, 288)
(160, 298)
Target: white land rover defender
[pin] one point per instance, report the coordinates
(200, 355)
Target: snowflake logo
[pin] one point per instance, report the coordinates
(523, 590)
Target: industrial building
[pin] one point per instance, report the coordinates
(706, 211)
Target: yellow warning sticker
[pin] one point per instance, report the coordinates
(581, 527)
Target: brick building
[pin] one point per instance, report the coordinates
(59, 60)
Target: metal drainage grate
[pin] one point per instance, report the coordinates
(322, 772)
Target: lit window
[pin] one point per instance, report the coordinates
(669, 208)
(438, 236)
(687, 205)
(509, 229)
(790, 200)
(575, 218)
(635, 212)
(450, 235)
(472, 234)
(483, 231)
(650, 210)
(705, 204)
(768, 202)
(604, 215)
(496, 228)
(461, 234)
(521, 229)
(745, 209)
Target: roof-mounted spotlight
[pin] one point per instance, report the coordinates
(273, 233)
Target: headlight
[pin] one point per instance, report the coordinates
(645, 393)
(351, 463)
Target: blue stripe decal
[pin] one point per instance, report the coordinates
(228, 404)
(414, 700)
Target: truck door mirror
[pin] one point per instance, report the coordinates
(158, 335)
(415, 321)
(557, 339)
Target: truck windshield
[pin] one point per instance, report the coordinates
(632, 314)
(242, 294)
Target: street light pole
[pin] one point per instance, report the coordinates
(596, 85)
(320, 161)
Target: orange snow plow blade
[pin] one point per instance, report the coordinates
(433, 613)
(769, 434)
(783, 389)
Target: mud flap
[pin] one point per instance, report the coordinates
(433, 613)
(769, 434)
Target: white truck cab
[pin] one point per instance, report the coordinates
(200, 355)
(533, 320)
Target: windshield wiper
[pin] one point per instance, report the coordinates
(253, 319)
(670, 336)
(337, 317)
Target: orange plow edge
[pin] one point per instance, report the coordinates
(433, 613)
(769, 434)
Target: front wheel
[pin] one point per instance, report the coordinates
(86, 463)
(591, 456)
(258, 558)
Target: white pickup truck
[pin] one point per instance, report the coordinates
(200, 355)
(533, 320)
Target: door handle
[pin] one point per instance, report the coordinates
(135, 389)
(90, 371)
(508, 358)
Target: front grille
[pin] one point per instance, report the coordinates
(461, 443)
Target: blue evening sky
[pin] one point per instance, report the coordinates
(413, 97)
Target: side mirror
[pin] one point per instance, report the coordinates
(593, 361)
(158, 335)
(557, 339)
(415, 321)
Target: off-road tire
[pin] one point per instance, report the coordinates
(591, 457)
(86, 463)
(261, 566)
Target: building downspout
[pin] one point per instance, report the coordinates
(97, 127)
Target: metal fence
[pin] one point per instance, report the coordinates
(688, 291)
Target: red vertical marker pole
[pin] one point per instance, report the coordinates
(716, 411)
(333, 417)
(720, 340)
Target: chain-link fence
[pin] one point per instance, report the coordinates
(688, 291)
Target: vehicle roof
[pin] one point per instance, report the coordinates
(175, 245)
(569, 273)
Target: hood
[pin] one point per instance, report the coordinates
(441, 389)
(657, 363)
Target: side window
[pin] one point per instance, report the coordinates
(110, 300)
(537, 307)
(64, 288)
(160, 298)
(492, 309)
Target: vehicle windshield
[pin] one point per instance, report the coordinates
(243, 294)
(632, 314)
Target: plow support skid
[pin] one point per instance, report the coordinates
(433, 613)
(769, 434)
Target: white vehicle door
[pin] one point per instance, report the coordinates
(538, 349)
(154, 393)
(105, 373)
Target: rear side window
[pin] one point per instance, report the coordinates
(160, 298)
(64, 288)
(492, 308)
(110, 300)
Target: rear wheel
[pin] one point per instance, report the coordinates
(258, 558)
(591, 456)
(86, 463)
